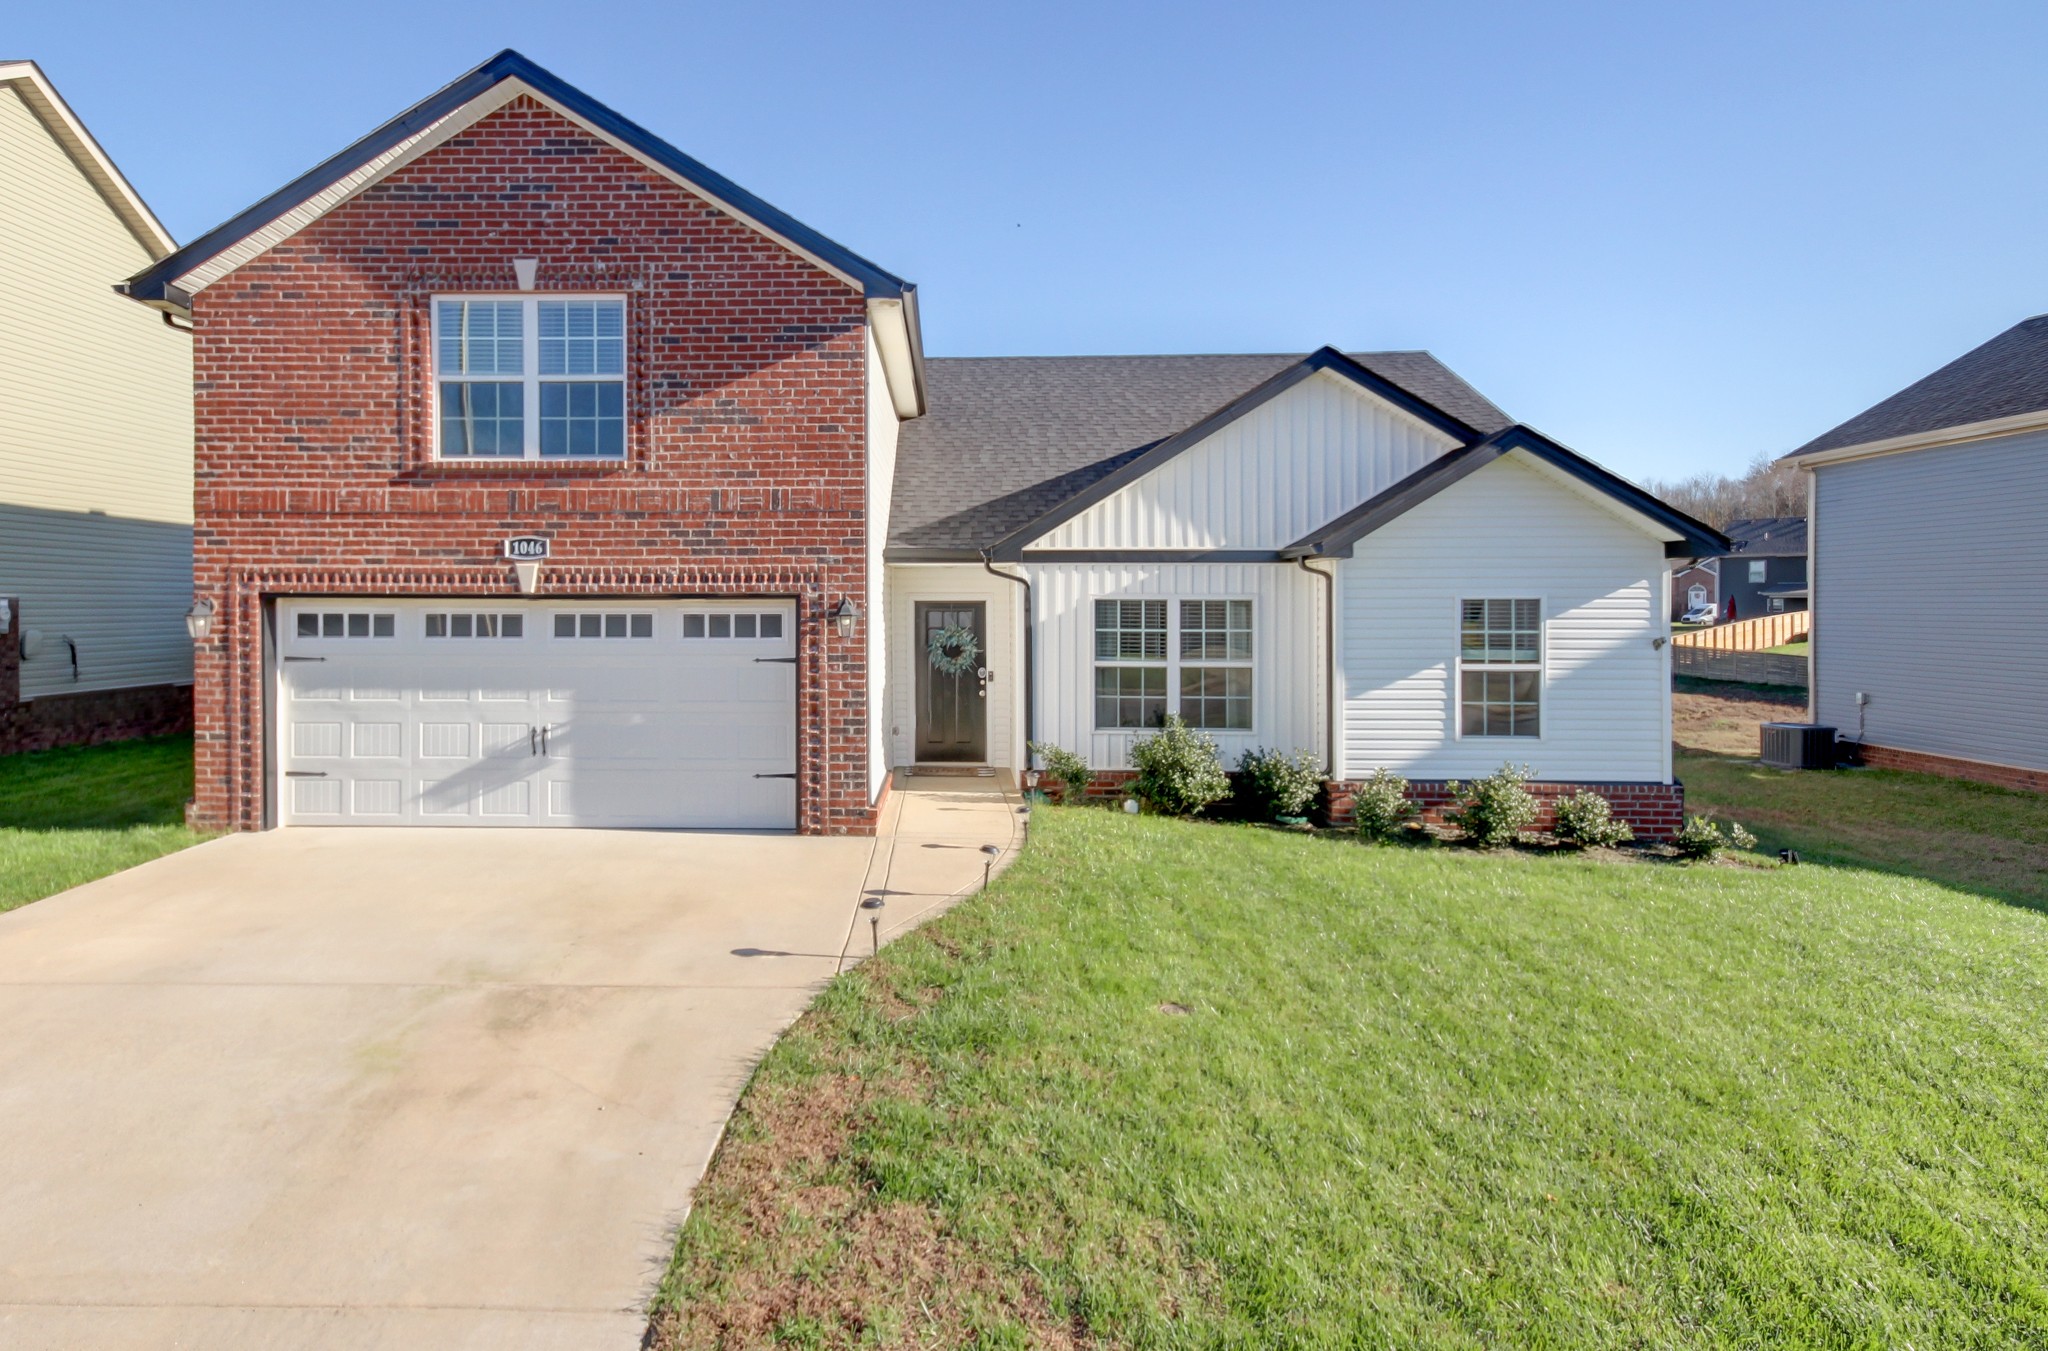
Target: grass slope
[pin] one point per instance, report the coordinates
(1992, 841)
(69, 816)
(1417, 1098)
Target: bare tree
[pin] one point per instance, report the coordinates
(1767, 488)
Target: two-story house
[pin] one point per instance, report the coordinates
(96, 453)
(545, 476)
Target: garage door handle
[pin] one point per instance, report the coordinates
(305, 773)
(790, 775)
(532, 739)
(791, 661)
(305, 659)
(545, 729)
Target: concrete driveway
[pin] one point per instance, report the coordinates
(409, 1088)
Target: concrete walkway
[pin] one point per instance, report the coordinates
(411, 1088)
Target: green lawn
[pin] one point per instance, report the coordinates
(1177, 1085)
(68, 816)
(1796, 648)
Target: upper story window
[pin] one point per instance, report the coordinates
(1759, 570)
(530, 378)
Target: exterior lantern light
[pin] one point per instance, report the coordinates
(199, 619)
(845, 617)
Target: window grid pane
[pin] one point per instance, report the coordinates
(1130, 630)
(483, 418)
(482, 337)
(582, 337)
(1216, 630)
(586, 418)
(1216, 697)
(1501, 631)
(1130, 696)
(1501, 703)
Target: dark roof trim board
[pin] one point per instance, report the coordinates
(1011, 547)
(1336, 540)
(156, 282)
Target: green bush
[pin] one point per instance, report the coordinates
(1495, 810)
(1586, 819)
(1381, 806)
(1065, 768)
(1701, 838)
(1274, 784)
(1179, 771)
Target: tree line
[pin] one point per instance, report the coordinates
(1767, 488)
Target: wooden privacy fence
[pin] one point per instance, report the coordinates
(1749, 635)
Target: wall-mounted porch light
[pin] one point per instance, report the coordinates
(845, 617)
(199, 619)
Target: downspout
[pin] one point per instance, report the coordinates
(1030, 665)
(1330, 667)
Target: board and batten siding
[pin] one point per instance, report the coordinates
(96, 460)
(1509, 530)
(1928, 570)
(1288, 661)
(1267, 479)
(881, 489)
(909, 583)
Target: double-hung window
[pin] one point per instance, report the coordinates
(1130, 663)
(1216, 664)
(1500, 668)
(1759, 570)
(1200, 667)
(531, 378)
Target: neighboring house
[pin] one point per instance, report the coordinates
(1766, 574)
(1929, 518)
(785, 553)
(1696, 585)
(96, 460)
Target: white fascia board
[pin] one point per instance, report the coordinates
(47, 104)
(1941, 436)
(891, 326)
(454, 124)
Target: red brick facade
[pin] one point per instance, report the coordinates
(1654, 811)
(1948, 766)
(745, 471)
(85, 719)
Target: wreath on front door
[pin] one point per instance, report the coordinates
(953, 651)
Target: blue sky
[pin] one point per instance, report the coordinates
(1671, 236)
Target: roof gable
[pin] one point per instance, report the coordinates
(1150, 459)
(443, 114)
(1683, 536)
(2005, 378)
(1262, 478)
(42, 98)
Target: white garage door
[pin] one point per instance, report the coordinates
(475, 713)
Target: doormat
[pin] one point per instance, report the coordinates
(951, 772)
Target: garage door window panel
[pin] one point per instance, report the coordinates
(345, 624)
(602, 625)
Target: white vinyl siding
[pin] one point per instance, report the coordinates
(1286, 652)
(1302, 458)
(909, 583)
(96, 402)
(1508, 530)
(1927, 599)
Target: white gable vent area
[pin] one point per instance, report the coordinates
(653, 714)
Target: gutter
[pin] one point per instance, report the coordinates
(1330, 667)
(1030, 661)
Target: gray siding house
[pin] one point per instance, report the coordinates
(1929, 539)
(1767, 572)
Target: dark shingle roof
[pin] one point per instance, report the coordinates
(2005, 377)
(1769, 536)
(1007, 439)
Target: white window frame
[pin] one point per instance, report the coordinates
(1759, 570)
(1173, 662)
(530, 379)
(1541, 666)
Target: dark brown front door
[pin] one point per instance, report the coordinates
(952, 710)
